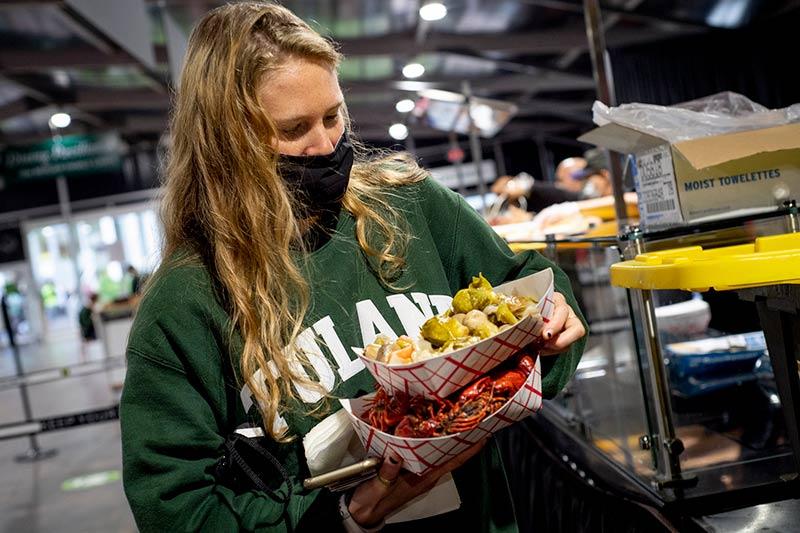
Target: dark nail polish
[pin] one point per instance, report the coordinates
(393, 460)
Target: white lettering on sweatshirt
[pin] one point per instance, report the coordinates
(411, 312)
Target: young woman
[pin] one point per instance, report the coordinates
(285, 244)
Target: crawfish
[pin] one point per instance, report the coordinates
(508, 382)
(384, 411)
(473, 404)
(423, 419)
(487, 395)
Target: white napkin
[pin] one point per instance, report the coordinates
(442, 498)
(333, 443)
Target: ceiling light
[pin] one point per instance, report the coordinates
(398, 131)
(405, 105)
(433, 11)
(482, 116)
(413, 70)
(60, 120)
(61, 78)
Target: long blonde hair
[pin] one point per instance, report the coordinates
(225, 201)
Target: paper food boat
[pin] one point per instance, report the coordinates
(421, 455)
(441, 376)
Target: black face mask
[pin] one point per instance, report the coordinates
(319, 181)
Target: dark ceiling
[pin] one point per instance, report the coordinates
(529, 52)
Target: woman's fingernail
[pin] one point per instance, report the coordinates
(549, 333)
(393, 460)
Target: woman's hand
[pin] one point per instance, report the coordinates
(563, 328)
(374, 499)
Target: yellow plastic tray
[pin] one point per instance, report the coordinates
(767, 261)
(604, 229)
(517, 247)
(607, 212)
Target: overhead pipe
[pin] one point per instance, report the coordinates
(603, 77)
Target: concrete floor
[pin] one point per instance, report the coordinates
(31, 494)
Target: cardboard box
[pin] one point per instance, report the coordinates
(708, 178)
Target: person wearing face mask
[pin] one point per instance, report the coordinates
(576, 178)
(286, 242)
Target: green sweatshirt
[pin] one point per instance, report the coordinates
(182, 396)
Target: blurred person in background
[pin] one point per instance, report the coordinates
(277, 222)
(576, 178)
(135, 280)
(86, 323)
(50, 301)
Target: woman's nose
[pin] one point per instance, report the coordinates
(320, 142)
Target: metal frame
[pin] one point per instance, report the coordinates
(34, 452)
(779, 312)
(779, 307)
(662, 440)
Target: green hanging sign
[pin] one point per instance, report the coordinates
(67, 156)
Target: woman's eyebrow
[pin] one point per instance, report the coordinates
(331, 109)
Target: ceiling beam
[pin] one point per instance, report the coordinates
(551, 41)
(548, 41)
(19, 106)
(511, 65)
(120, 99)
(627, 14)
(26, 89)
(49, 97)
(534, 106)
(103, 50)
(109, 32)
(515, 129)
(576, 112)
(14, 4)
(487, 84)
(144, 124)
(14, 61)
(382, 114)
(608, 22)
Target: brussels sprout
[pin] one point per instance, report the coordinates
(462, 303)
(480, 282)
(459, 317)
(466, 300)
(486, 330)
(475, 318)
(440, 331)
(504, 314)
(434, 332)
(483, 297)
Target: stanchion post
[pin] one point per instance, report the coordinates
(550, 249)
(792, 217)
(604, 80)
(34, 453)
(475, 145)
(667, 446)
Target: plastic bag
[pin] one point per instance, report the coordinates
(721, 113)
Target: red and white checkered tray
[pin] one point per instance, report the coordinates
(421, 455)
(441, 376)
